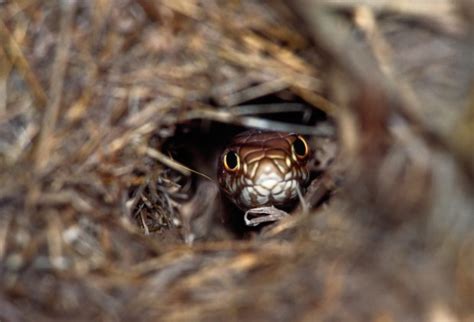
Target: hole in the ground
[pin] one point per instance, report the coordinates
(197, 145)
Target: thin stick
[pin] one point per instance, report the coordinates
(18, 59)
(323, 129)
(56, 86)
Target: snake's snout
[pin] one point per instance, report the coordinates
(269, 177)
(272, 184)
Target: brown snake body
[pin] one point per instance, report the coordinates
(260, 169)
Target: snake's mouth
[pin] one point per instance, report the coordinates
(269, 189)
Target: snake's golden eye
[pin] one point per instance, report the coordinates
(231, 161)
(300, 148)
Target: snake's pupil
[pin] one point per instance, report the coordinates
(300, 147)
(231, 160)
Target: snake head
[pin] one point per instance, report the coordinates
(261, 168)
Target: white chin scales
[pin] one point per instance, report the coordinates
(269, 190)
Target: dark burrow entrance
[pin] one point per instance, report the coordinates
(189, 206)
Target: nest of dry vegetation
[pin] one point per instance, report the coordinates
(99, 221)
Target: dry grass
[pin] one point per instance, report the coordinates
(97, 218)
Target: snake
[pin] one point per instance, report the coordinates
(264, 168)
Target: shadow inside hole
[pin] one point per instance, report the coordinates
(198, 144)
